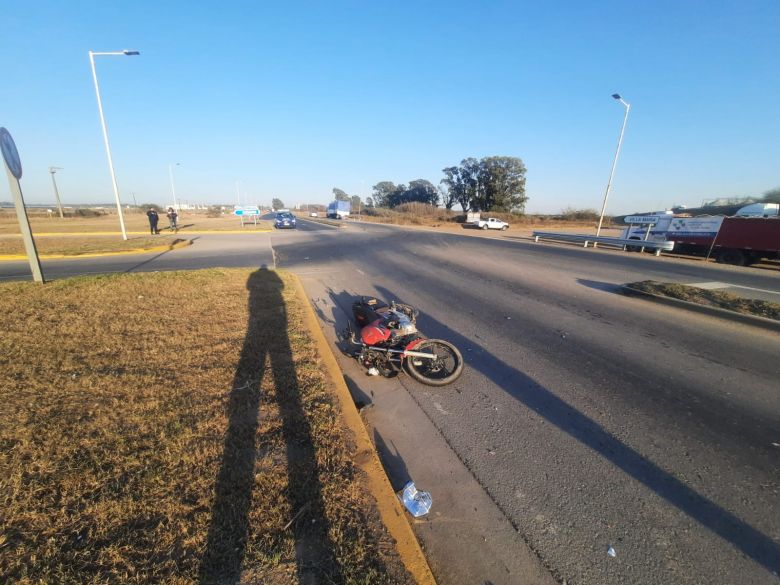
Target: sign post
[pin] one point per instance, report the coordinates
(251, 211)
(13, 168)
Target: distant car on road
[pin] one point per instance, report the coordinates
(284, 220)
(314, 214)
(491, 223)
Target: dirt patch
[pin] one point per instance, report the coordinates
(175, 428)
(712, 298)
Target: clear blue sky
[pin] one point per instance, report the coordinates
(294, 98)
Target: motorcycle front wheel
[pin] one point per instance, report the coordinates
(444, 369)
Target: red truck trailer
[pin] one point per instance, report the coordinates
(730, 240)
(745, 240)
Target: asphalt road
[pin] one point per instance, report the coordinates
(585, 419)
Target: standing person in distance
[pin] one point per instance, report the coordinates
(172, 217)
(153, 219)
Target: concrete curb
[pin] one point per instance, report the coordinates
(17, 257)
(770, 324)
(366, 458)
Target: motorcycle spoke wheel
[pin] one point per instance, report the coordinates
(444, 369)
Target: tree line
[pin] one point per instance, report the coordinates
(493, 183)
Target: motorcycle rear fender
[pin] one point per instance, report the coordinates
(414, 343)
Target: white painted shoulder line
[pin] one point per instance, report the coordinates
(717, 285)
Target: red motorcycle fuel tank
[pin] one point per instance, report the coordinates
(374, 333)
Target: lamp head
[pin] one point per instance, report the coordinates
(617, 96)
(131, 52)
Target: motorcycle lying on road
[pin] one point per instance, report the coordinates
(389, 343)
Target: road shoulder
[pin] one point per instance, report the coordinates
(366, 458)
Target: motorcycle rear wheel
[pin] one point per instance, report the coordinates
(440, 371)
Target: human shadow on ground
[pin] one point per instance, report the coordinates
(266, 341)
(153, 258)
(750, 541)
(394, 465)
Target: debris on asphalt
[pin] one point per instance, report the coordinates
(417, 502)
(611, 552)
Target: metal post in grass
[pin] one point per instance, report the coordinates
(13, 168)
(53, 170)
(173, 186)
(617, 97)
(105, 132)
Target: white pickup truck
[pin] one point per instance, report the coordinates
(491, 223)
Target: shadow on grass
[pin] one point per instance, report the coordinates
(266, 341)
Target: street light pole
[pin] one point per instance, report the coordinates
(173, 188)
(53, 170)
(614, 162)
(105, 133)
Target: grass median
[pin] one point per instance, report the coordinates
(135, 221)
(81, 245)
(175, 428)
(711, 298)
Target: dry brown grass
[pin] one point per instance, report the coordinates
(164, 428)
(426, 215)
(135, 220)
(77, 245)
(712, 298)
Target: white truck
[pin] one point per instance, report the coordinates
(491, 223)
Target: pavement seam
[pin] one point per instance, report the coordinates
(755, 320)
(17, 257)
(366, 458)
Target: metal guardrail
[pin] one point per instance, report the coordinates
(585, 239)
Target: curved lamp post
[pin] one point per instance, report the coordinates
(614, 162)
(105, 132)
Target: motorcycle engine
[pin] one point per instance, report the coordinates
(405, 325)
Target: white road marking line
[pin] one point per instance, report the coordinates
(716, 285)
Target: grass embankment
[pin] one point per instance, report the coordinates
(426, 215)
(712, 298)
(135, 221)
(175, 428)
(80, 245)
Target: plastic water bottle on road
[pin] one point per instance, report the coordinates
(417, 502)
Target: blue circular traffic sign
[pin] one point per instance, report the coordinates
(10, 154)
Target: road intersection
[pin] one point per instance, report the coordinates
(585, 419)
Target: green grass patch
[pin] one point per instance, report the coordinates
(175, 428)
(712, 298)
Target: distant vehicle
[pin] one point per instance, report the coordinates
(760, 210)
(314, 214)
(339, 209)
(748, 237)
(284, 220)
(491, 223)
